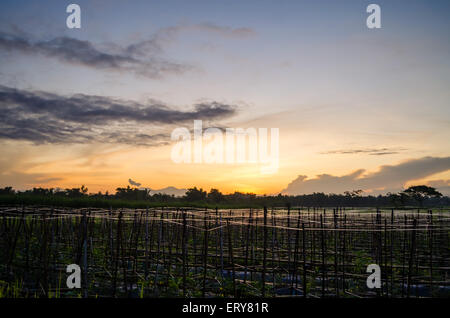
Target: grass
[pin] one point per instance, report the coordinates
(81, 202)
(93, 202)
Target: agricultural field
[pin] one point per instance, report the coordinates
(194, 252)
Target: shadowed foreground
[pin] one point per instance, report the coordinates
(162, 252)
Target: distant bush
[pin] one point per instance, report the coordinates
(422, 196)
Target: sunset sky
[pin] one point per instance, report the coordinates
(356, 108)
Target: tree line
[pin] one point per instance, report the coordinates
(421, 195)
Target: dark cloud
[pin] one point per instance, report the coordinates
(85, 53)
(134, 183)
(142, 57)
(43, 117)
(372, 152)
(387, 178)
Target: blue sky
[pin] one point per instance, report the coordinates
(312, 68)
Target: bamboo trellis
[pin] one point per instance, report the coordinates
(158, 252)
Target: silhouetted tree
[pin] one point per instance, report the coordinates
(215, 196)
(421, 192)
(132, 193)
(7, 190)
(426, 196)
(76, 192)
(41, 191)
(162, 197)
(194, 194)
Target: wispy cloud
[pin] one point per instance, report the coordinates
(387, 178)
(224, 30)
(372, 152)
(163, 36)
(442, 185)
(85, 53)
(24, 179)
(43, 117)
